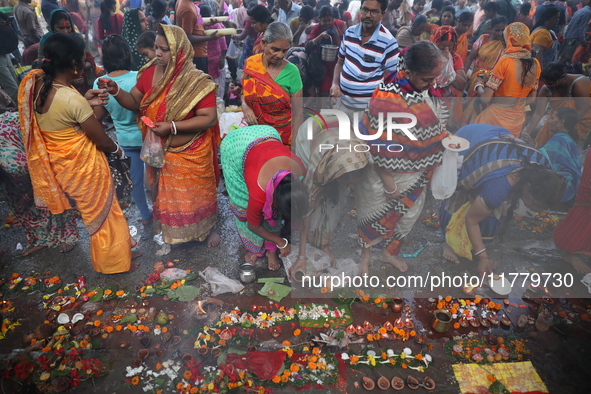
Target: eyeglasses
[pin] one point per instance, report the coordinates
(366, 11)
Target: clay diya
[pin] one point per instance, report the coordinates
(159, 352)
(360, 330)
(484, 322)
(175, 340)
(475, 323)
(94, 331)
(187, 357)
(428, 383)
(137, 362)
(409, 324)
(367, 326)
(412, 383)
(493, 320)
(368, 384)
(143, 353)
(275, 332)
(251, 348)
(505, 321)
(397, 383)
(215, 352)
(421, 338)
(145, 342)
(202, 351)
(226, 334)
(464, 322)
(388, 326)
(383, 383)
(76, 330)
(123, 345)
(350, 329)
(399, 323)
(166, 337)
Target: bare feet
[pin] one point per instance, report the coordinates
(146, 222)
(135, 255)
(250, 258)
(577, 263)
(213, 239)
(32, 249)
(364, 261)
(385, 257)
(449, 254)
(273, 260)
(65, 247)
(166, 248)
(134, 265)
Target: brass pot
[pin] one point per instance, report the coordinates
(442, 321)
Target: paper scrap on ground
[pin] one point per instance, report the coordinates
(517, 377)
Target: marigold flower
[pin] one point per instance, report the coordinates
(376, 337)
(456, 325)
(132, 328)
(221, 342)
(109, 329)
(383, 330)
(448, 299)
(187, 375)
(276, 379)
(99, 312)
(404, 366)
(158, 367)
(286, 343)
(164, 329)
(491, 305)
(370, 337)
(312, 365)
(419, 356)
(413, 333)
(294, 367)
(135, 380)
(83, 343)
(46, 349)
(194, 390)
(297, 332)
(140, 327)
(97, 323)
(120, 293)
(119, 328)
(143, 295)
(491, 378)
(108, 292)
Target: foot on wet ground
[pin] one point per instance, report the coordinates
(31, 250)
(65, 247)
(385, 257)
(577, 263)
(213, 239)
(449, 254)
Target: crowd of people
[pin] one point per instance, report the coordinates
(510, 78)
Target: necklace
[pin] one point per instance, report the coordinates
(274, 68)
(66, 85)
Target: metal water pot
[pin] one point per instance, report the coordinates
(246, 273)
(441, 321)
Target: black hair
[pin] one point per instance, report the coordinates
(570, 118)
(446, 3)
(307, 13)
(497, 20)
(325, 11)
(205, 10)
(158, 8)
(546, 16)
(311, 3)
(453, 13)
(260, 13)
(419, 20)
(545, 185)
(343, 7)
(116, 54)
(336, 14)
(57, 16)
(465, 17)
(72, 6)
(61, 52)
(146, 40)
(383, 4)
(422, 57)
(437, 5)
(291, 198)
(491, 6)
(552, 72)
(106, 9)
(525, 9)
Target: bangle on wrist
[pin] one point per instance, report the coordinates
(118, 90)
(26, 197)
(116, 150)
(392, 192)
(480, 252)
(478, 85)
(303, 257)
(284, 246)
(173, 129)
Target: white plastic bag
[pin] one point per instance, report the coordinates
(317, 260)
(219, 282)
(445, 177)
(231, 120)
(173, 274)
(152, 152)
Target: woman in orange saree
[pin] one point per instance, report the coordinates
(65, 146)
(272, 84)
(486, 52)
(514, 78)
(180, 101)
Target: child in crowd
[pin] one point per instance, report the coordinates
(145, 45)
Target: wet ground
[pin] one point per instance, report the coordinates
(561, 355)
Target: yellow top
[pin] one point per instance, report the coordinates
(68, 109)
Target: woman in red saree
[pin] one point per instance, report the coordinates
(271, 84)
(180, 100)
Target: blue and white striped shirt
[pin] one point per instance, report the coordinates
(577, 27)
(364, 64)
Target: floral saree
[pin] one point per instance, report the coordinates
(185, 189)
(67, 164)
(269, 101)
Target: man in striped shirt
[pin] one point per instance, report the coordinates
(368, 52)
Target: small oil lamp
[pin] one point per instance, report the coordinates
(367, 326)
(360, 330)
(350, 329)
(388, 326)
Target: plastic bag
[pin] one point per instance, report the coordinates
(448, 74)
(445, 177)
(219, 282)
(230, 119)
(152, 152)
(173, 274)
(317, 260)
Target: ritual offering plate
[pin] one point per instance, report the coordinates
(501, 286)
(455, 143)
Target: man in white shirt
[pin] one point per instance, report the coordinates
(287, 11)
